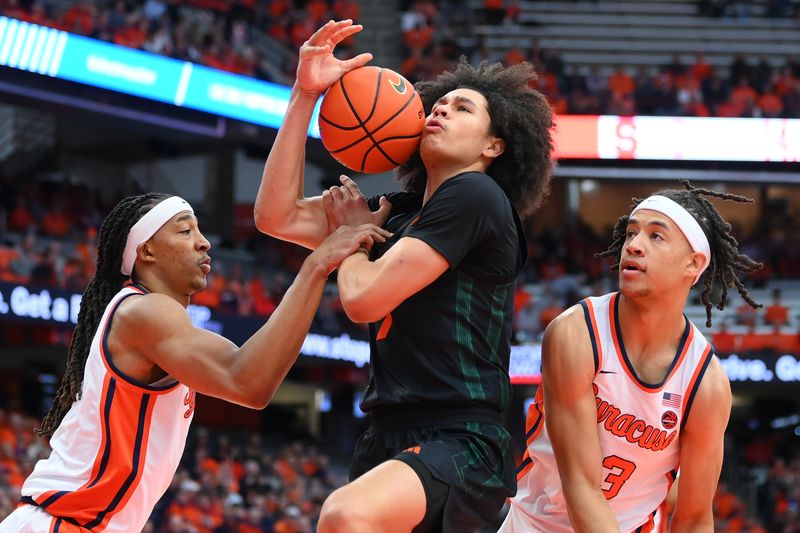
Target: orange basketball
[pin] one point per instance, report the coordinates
(371, 120)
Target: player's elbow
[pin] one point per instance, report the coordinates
(361, 309)
(266, 222)
(252, 393)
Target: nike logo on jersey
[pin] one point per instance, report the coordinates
(607, 372)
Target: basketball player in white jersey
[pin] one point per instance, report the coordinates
(120, 419)
(631, 390)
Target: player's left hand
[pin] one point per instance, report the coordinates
(345, 205)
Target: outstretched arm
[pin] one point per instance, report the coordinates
(281, 209)
(701, 452)
(157, 329)
(571, 417)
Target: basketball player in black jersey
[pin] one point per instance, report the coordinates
(438, 296)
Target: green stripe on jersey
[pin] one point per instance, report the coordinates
(466, 348)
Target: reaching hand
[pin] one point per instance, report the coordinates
(345, 241)
(318, 69)
(346, 206)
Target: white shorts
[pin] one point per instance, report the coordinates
(27, 519)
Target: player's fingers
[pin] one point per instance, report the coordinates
(343, 32)
(323, 33)
(357, 62)
(327, 200)
(351, 186)
(307, 51)
(385, 207)
(336, 194)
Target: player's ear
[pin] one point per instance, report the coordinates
(144, 252)
(494, 147)
(696, 263)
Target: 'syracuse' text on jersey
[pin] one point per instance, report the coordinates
(116, 450)
(639, 426)
(449, 344)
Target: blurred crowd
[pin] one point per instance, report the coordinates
(748, 87)
(48, 238)
(261, 38)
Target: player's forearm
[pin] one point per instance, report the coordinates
(588, 510)
(282, 180)
(358, 290)
(265, 359)
(698, 524)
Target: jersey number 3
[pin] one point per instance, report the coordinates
(620, 471)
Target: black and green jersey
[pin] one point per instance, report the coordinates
(448, 345)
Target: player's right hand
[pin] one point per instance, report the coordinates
(345, 241)
(346, 205)
(317, 68)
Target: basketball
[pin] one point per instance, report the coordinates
(371, 120)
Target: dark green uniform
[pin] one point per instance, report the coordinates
(439, 362)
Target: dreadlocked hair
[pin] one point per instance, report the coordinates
(726, 260)
(101, 289)
(519, 115)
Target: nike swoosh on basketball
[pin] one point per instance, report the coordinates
(399, 86)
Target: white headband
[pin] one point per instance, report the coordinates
(686, 223)
(148, 225)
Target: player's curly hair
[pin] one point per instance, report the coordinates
(106, 282)
(520, 115)
(726, 260)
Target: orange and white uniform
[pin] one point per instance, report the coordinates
(114, 453)
(638, 423)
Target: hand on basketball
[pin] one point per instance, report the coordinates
(345, 205)
(318, 69)
(345, 241)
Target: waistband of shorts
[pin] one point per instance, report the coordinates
(414, 416)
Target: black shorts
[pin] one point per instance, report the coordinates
(466, 468)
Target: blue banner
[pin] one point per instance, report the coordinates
(63, 55)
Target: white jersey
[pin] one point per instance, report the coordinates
(638, 423)
(116, 450)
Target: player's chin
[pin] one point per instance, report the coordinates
(200, 284)
(634, 288)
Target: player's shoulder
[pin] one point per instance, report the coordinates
(478, 182)
(148, 309)
(567, 348)
(568, 327)
(473, 190)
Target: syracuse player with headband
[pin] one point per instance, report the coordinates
(631, 390)
(119, 421)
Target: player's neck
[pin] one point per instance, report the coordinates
(650, 322)
(440, 173)
(154, 284)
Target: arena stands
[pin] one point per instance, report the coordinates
(714, 57)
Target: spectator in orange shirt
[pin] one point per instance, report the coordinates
(621, 82)
(746, 315)
(777, 314)
(700, 69)
(724, 341)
